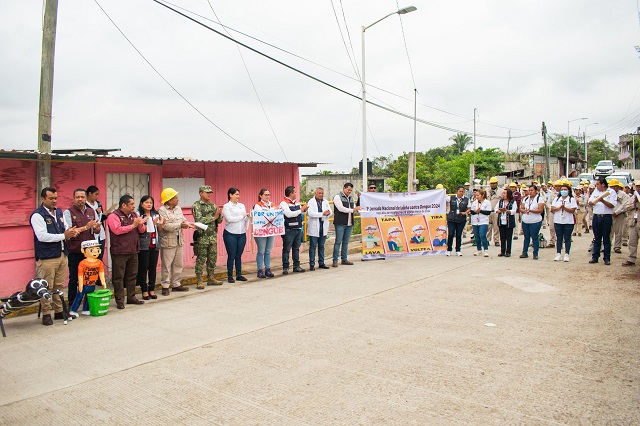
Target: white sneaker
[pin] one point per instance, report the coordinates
(486, 253)
(566, 257)
(448, 253)
(86, 312)
(478, 253)
(73, 314)
(458, 253)
(558, 257)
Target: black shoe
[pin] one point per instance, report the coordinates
(58, 316)
(311, 268)
(500, 254)
(231, 280)
(323, 267)
(497, 244)
(507, 255)
(241, 278)
(298, 269)
(46, 320)
(285, 272)
(524, 256)
(535, 257)
(593, 261)
(606, 262)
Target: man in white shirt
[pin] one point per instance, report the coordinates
(343, 210)
(49, 235)
(603, 201)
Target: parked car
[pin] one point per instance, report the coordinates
(586, 176)
(605, 168)
(624, 180)
(574, 181)
(622, 175)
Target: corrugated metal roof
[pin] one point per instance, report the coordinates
(18, 153)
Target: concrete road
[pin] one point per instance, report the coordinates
(416, 341)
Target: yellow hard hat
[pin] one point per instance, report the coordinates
(550, 183)
(493, 180)
(167, 194)
(513, 184)
(557, 183)
(523, 186)
(439, 186)
(535, 182)
(615, 182)
(566, 182)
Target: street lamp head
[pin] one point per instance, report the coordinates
(407, 10)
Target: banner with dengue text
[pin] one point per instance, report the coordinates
(403, 224)
(268, 222)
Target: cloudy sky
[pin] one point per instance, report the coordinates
(518, 62)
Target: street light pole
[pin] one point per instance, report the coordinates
(586, 150)
(566, 172)
(473, 170)
(364, 94)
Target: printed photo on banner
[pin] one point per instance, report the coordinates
(403, 224)
(268, 222)
(437, 225)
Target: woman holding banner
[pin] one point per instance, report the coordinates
(264, 243)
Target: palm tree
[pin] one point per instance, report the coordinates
(461, 141)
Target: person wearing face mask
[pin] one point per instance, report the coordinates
(457, 219)
(562, 209)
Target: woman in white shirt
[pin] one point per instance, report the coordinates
(235, 238)
(264, 243)
(532, 208)
(480, 211)
(562, 208)
(506, 210)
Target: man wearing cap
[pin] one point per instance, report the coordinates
(603, 201)
(206, 244)
(619, 217)
(171, 241)
(124, 227)
(632, 207)
(494, 195)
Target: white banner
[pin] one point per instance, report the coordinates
(403, 224)
(268, 222)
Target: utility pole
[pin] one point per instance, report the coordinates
(473, 168)
(546, 153)
(46, 94)
(508, 141)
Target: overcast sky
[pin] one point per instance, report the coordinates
(518, 62)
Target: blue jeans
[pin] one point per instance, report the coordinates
(563, 232)
(265, 244)
(531, 231)
(602, 236)
(234, 243)
(343, 234)
(291, 241)
(480, 236)
(86, 289)
(313, 243)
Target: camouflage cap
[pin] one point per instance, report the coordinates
(205, 188)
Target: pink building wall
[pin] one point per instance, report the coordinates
(19, 199)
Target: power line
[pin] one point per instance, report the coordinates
(255, 90)
(406, 49)
(430, 123)
(346, 27)
(344, 42)
(173, 88)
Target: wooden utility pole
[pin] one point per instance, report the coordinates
(46, 93)
(546, 153)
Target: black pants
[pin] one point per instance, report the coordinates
(74, 261)
(147, 265)
(601, 235)
(455, 229)
(506, 235)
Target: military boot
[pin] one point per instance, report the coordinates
(211, 279)
(200, 284)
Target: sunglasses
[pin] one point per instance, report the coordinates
(372, 187)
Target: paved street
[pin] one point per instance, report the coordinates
(414, 341)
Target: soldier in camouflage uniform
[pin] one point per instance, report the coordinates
(206, 246)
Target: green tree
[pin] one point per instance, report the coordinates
(461, 141)
(558, 147)
(601, 149)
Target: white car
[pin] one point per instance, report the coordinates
(605, 168)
